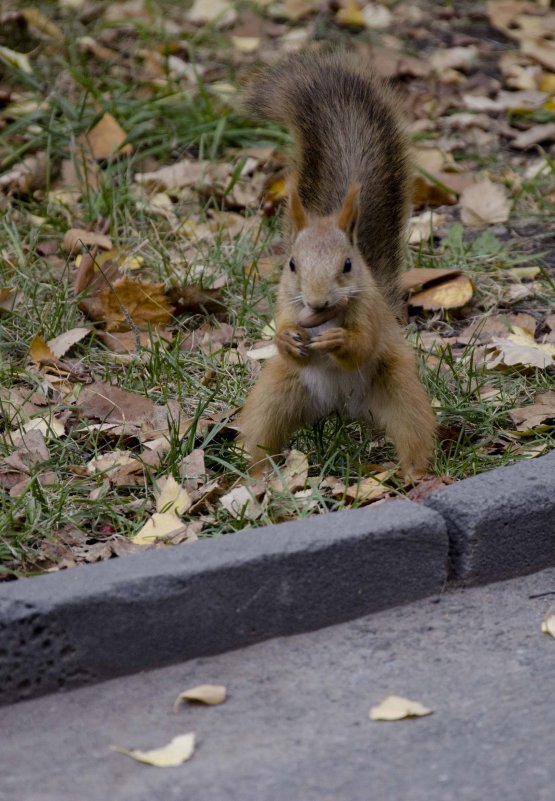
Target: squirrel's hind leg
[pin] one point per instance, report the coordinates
(400, 405)
(275, 408)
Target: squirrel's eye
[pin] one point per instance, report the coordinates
(347, 266)
(292, 264)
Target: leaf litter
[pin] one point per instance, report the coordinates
(471, 270)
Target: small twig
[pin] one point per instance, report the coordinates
(542, 594)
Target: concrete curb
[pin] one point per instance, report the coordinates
(501, 524)
(148, 610)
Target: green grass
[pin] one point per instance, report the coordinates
(168, 122)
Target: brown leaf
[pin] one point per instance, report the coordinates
(77, 238)
(61, 344)
(27, 176)
(424, 276)
(539, 413)
(196, 300)
(484, 203)
(175, 176)
(107, 138)
(193, 470)
(30, 452)
(9, 299)
(427, 485)
(534, 135)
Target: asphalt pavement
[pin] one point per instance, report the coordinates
(295, 726)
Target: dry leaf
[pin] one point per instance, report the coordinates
(175, 753)
(420, 276)
(27, 176)
(519, 348)
(107, 138)
(171, 498)
(422, 227)
(369, 488)
(77, 238)
(111, 462)
(60, 345)
(219, 12)
(394, 707)
(211, 694)
(30, 452)
(174, 176)
(19, 60)
(9, 299)
(534, 135)
(240, 502)
(262, 353)
(548, 624)
(293, 475)
(536, 414)
(50, 426)
(484, 203)
(450, 294)
(192, 469)
(160, 525)
(350, 15)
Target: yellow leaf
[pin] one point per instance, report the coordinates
(18, 60)
(450, 294)
(548, 624)
(351, 15)
(40, 351)
(40, 24)
(49, 426)
(110, 462)
(265, 352)
(171, 498)
(107, 138)
(246, 44)
(369, 488)
(519, 348)
(178, 751)
(211, 694)
(394, 707)
(241, 502)
(161, 524)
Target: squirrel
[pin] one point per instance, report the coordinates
(340, 346)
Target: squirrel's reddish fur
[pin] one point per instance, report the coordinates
(347, 214)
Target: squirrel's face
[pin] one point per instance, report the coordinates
(324, 269)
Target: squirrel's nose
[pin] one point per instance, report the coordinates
(318, 306)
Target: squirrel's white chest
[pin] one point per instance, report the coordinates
(332, 389)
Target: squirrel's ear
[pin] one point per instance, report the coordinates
(348, 216)
(297, 212)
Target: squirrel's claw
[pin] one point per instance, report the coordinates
(294, 343)
(331, 340)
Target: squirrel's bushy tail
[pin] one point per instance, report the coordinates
(347, 129)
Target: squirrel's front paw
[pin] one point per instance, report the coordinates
(293, 342)
(334, 339)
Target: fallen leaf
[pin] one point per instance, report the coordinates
(112, 462)
(262, 353)
(192, 469)
(30, 452)
(160, 525)
(27, 176)
(293, 475)
(9, 299)
(484, 203)
(171, 498)
(534, 135)
(77, 238)
(240, 502)
(19, 60)
(548, 624)
(421, 276)
(449, 294)
(394, 707)
(49, 426)
(526, 418)
(175, 176)
(519, 348)
(369, 488)
(211, 694)
(178, 751)
(107, 138)
(422, 226)
(350, 15)
(60, 345)
(218, 12)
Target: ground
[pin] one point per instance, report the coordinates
(98, 102)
